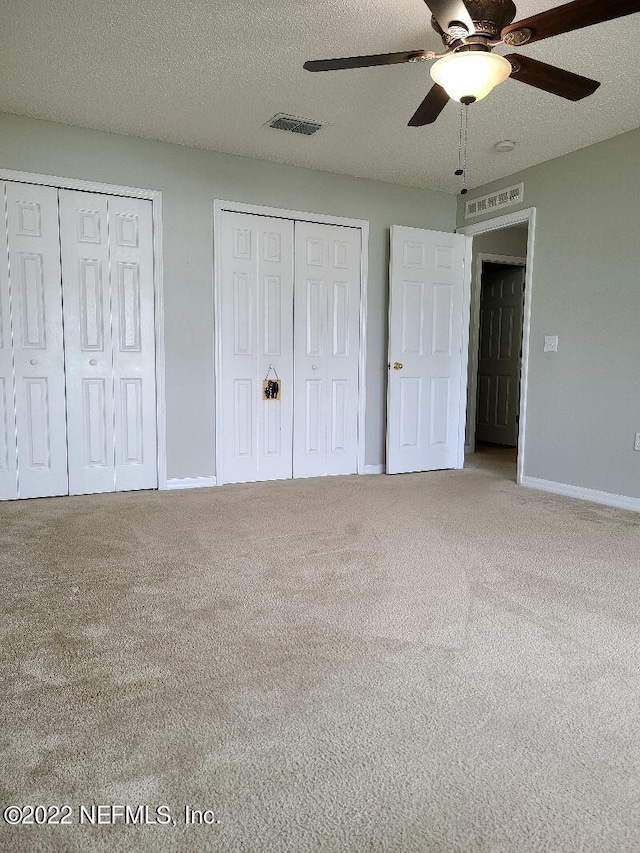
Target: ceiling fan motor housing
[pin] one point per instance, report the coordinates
(489, 18)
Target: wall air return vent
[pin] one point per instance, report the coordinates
(295, 124)
(497, 200)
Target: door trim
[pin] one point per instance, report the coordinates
(155, 197)
(220, 206)
(474, 337)
(522, 216)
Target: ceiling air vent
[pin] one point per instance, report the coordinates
(488, 203)
(295, 124)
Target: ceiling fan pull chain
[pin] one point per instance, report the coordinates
(465, 149)
(461, 171)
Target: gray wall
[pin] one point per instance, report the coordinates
(584, 401)
(507, 241)
(190, 179)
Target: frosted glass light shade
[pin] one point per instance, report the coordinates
(471, 74)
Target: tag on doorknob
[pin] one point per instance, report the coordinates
(271, 387)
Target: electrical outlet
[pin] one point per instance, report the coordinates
(636, 446)
(551, 343)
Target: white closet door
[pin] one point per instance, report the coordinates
(133, 330)
(87, 341)
(327, 327)
(256, 330)
(36, 309)
(8, 445)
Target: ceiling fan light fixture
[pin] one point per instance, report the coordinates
(470, 76)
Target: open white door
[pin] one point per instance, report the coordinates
(428, 323)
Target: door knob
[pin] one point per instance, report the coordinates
(33, 361)
(314, 367)
(397, 365)
(92, 362)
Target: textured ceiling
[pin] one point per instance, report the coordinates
(210, 74)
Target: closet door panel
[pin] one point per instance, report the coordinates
(36, 309)
(133, 311)
(256, 328)
(238, 393)
(327, 346)
(8, 446)
(275, 346)
(87, 341)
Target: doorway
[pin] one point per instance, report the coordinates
(500, 308)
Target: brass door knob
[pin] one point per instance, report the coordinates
(397, 365)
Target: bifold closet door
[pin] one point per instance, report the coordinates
(327, 346)
(34, 287)
(8, 445)
(87, 341)
(134, 359)
(256, 341)
(107, 265)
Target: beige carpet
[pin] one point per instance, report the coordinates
(430, 662)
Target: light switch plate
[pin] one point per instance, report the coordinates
(551, 343)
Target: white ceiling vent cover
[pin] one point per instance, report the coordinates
(295, 124)
(488, 203)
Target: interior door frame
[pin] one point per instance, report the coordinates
(474, 336)
(155, 197)
(526, 216)
(221, 206)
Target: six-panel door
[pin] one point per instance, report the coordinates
(425, 350)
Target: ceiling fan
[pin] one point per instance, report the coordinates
(467, 70)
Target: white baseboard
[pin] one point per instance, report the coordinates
(191, 483)
(605, 498)
(374, 469)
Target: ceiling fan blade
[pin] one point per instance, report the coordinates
(549, 78)
(366, 61)
(572, 16)
(430, 108)
(448, 12)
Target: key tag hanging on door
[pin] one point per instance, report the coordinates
(271, 387)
